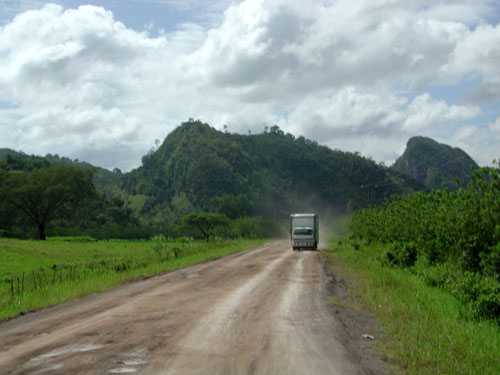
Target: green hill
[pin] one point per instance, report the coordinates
(198, 168)
(277, 172)
(7, 151)
(434, 164)
(104, 180)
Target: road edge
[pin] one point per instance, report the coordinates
(353, 324)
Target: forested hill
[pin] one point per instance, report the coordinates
(11, 160)
(435, 164)
(276, 172)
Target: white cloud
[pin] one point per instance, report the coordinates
(351, 74)
(424, 112)
(281, 47)
(198, 6)
(495, 127)
(479, 54)
(78, 79)
(370, 120)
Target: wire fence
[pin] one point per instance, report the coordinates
(43, 277)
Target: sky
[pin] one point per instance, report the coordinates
(102, 81)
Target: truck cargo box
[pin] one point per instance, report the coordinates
(304, 231)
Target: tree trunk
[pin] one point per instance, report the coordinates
(41, 231)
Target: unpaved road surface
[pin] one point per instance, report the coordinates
(262, 311)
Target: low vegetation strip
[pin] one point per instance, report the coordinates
(36, 274)
(427, 330)
(449, 239)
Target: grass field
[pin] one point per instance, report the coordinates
(37, 274)
(425, 328)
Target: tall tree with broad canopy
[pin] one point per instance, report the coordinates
(45, 194)
(205, 222)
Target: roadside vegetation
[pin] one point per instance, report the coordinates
(37, 274)
(428, 267)
(451, 240)
(424, 330)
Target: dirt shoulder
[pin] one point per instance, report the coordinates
(358, 332)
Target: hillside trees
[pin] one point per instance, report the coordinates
(277, 172)
(45, 194)
(205, 223)
(234, 206)
(435, 164)
(27, 163)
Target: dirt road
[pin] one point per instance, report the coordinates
(262, 311)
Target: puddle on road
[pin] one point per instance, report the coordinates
(137, 353)
(133, 359)
(123, 370)
(134, 362)
(48, 357)
(71, 349)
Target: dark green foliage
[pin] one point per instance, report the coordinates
(103, 216)
(251, 228)
(45, 194)
(402, 254)
(452, 239)
(272, 229)
(248, 227)
(205, 223)
(266, 175)
(103, 179)
(234, 206)
(434, 164)
(19, 162)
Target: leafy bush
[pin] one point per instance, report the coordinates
(451, 239)
(402, 254)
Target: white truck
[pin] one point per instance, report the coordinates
(304, 231)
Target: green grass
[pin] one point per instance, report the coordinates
(425, 329)
(83, 268)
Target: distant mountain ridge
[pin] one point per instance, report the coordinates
(435, 164)
(278, 172)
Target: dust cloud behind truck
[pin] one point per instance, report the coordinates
(304, 231)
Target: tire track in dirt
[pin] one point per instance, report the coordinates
(213, 334)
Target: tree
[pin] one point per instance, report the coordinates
(205, 222)
(46, 194)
